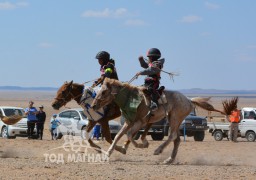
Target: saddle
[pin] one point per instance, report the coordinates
(85, 102)
(161, 98)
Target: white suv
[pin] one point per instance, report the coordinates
(18, 129)
(74, 121)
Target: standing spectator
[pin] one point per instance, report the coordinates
(96, 131)
(41, 116)
(31, 112)
(234, 119)
(54, 125)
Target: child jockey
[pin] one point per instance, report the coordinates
(107, 67)
(152, 71)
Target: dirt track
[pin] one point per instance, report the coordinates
(22, 158)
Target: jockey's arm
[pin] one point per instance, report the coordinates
(98, 81)
(150, 71)
(142, 62)
(107, 73)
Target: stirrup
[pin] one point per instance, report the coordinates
(153, 106)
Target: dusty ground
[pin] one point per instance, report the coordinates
(22, 158)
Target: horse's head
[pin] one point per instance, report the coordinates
(105, 95)
(66, 93)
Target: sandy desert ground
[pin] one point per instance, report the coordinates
(21, 158)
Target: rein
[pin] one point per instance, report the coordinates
(133, 78)
(72, 95)
(69, 93)
(89, 81)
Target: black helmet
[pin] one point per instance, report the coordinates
(154, 52)
(103, 55)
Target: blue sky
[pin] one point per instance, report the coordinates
(211, 44)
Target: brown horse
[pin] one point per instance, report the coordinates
(69, 91)
(178, 107)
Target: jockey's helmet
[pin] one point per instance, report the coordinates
(103, 55)
(154, 52)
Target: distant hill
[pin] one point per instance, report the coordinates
(18, 88)
(185, 91)
(215, 91)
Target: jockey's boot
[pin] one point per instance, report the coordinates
(153, 106)
(154, 102)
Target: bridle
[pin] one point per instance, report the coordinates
(63, 99)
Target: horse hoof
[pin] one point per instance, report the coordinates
(98, 150)
(108, 154)
(121, 149)
(146, 145)
(168, 161)
(140, 146)
(157, 152)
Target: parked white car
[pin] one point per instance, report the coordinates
(18, 129)
(74, 121)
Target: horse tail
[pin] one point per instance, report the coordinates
(203, 103)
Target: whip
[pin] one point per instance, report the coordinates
(133, 78)
(171, 74)
(89, 81)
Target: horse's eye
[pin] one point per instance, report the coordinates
(103, 93)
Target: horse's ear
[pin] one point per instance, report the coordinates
(70, 83)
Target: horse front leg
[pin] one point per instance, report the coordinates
(174, 151)
(123, 130)
(135, 128)
(143, 138)
(145, 133)
(171, 137)
(89, 127)
(174, 136)
(106, 133)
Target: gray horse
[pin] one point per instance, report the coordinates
(177, 107)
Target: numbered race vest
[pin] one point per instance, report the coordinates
(235, 116)
(85, 102)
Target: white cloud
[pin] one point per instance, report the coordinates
(99, 33)
(9, 6)
(246, 58)
(205, 34)
(191, 19)
(135, 22)
(211, 5)
(45, 45)
(251, 47)
(158, 1)
(106, 13)
(22, 4)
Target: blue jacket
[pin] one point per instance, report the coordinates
(31, 113)
(54, 123)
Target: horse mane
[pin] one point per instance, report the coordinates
(78, 85)
(74, 84)
(115, 82)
